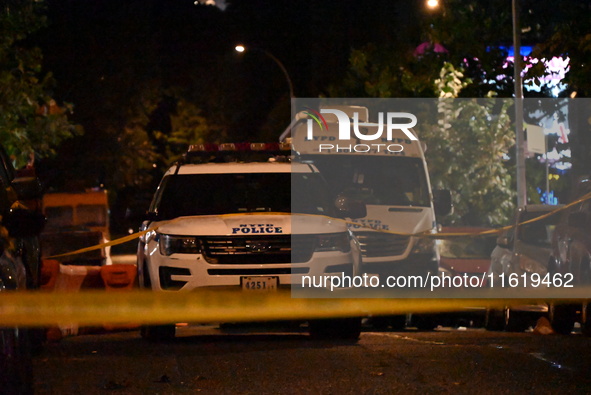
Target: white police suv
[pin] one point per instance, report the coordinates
(228, 216)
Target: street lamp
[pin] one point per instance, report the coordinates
(241, 48)
(432, 4)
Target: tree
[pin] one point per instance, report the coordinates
(570, 38)
(466, 151)
(188, 126)
(31, 122)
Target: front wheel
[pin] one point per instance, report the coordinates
(562, 317)
(586, 319)
(515, 321)
(494, 320)
(347, 329)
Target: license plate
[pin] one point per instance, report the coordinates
(259, 283)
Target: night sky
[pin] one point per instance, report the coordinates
(120, 62)
(103, 51)
(123, 63)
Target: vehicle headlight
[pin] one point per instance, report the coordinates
(333, 242)
(178, 245)
(424, 245)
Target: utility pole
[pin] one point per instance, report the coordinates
(519, 137)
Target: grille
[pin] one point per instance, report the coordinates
(224, 250)
(375, 244)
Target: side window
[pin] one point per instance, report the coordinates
(155, 204)
(59, 217)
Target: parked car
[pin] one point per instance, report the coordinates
(21, 215)
(19, 269)
(224, 223)
(468, 254)
(571, 260)
(521, 255)
(76, 220)
(464, 255)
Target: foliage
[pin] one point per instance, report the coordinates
(378, 72)
(188, 126)
(449, 34)
(159, 129)
(568, 35)
(466, 151)
(30, 120)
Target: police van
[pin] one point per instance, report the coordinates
(224, 217)
(383, 165)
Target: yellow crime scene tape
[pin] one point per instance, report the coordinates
(429, 234)
(218, 306)
(36, 308)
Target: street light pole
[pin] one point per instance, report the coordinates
(518, 86)
(242, 48)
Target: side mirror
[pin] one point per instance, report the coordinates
(442, 202)
(23, 223)
(350, 208)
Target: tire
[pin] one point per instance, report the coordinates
(494, 320)
(514, 321)
(380, 323)
(586, 319)
(562, 317)
(344, 329)
(395, 322)
(398, 322)
(424, 322)
(16, 366)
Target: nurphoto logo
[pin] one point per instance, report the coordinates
(363, 131)
(345, 124)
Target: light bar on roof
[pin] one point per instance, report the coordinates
(227, 147)
(207, 147)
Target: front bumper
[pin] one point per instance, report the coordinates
(190, 271)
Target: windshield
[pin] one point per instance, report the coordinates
(59, 217)
(378, 180)
(92, 215)
(210, 194)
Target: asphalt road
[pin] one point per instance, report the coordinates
(236, 360)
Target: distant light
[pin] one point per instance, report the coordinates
(221, 4)
(240, 48)
(432, 3)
